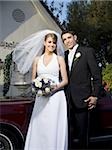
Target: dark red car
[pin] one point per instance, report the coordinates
(14, 119)
(15, 115)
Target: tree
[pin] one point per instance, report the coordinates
(56, 10)
(107, 75)
(76, 17)
(92, 20)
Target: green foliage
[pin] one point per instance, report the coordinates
(6, 71)
(76, 17)
(107, 75)
(92, 20)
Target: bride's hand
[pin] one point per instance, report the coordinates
(55, 87)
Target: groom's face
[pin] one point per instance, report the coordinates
(69, 40)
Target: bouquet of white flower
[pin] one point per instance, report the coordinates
(43, 86)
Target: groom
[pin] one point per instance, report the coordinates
(84, 84)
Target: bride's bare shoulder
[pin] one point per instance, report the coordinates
(36, 59)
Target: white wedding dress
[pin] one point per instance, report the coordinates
(48, 126)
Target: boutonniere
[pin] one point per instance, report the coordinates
(78, 55)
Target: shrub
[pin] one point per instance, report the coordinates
(107, 75)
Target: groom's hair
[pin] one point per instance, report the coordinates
(68, 31)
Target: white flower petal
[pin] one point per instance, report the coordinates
(47, 90)
(78, 55)
(39, 93)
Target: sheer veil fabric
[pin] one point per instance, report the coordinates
(25, 52)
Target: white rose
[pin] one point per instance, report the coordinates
(77, 56)
(47, 90)
(38, 84)
(39, 93)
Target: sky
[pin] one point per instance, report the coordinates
(56, 3)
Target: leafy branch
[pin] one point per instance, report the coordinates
(6, 71)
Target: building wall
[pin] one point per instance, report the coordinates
(18, 20)
(34, 17)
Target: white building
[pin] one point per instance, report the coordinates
(19, 19)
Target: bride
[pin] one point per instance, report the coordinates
(48, 125)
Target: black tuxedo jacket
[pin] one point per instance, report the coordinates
(80, 85)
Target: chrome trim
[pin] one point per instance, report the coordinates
(4, 136)
(13, 126)
(101, 138)
(97, 139)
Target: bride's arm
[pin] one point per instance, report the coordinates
(34, 68)
(63, 72)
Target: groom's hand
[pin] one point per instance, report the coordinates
(91, 102)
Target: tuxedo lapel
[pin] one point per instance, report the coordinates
(74, 62)
(66, 56)
(66, 61)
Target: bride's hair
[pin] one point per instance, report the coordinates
(54, 37)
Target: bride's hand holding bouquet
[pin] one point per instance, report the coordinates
(43, 86)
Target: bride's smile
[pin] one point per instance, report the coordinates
(50, 45)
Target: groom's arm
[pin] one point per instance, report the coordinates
(95, 72)
(97, 78)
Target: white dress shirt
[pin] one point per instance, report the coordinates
(71, 56)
